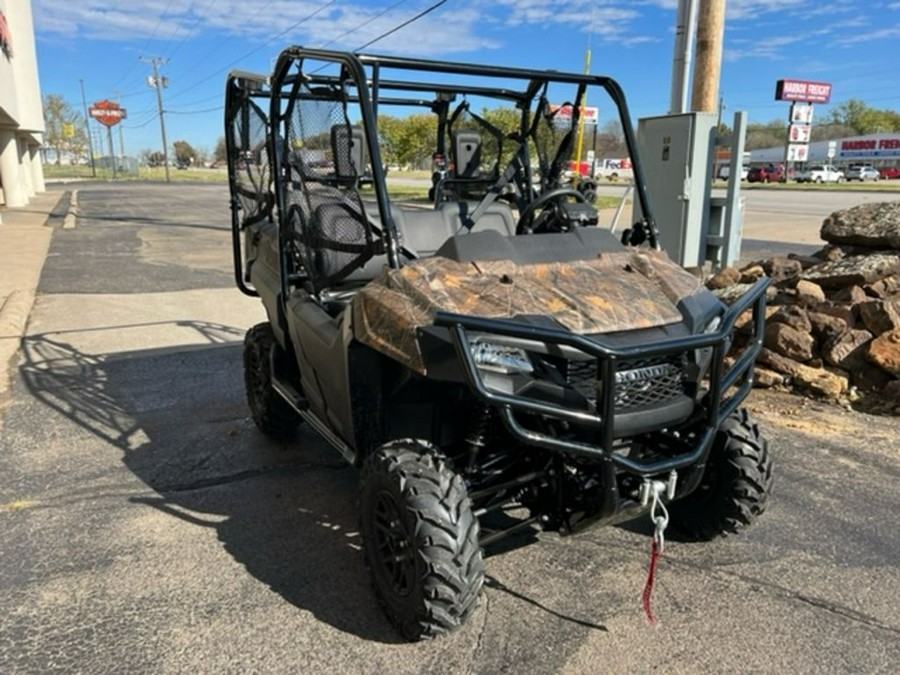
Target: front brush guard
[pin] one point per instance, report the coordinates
(718, 403)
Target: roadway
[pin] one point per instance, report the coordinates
(146, 526)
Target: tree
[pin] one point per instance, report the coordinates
(863, 119)
(64, 128)
(184, 152)
(830, 131)
(768, 135)
(609, 141)
(410, 140)
(201, 156)
(220, 154)
(152, 157)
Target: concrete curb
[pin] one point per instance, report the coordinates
(70, 220)
(14, 313)
(25, 243)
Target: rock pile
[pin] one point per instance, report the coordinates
(833, 320)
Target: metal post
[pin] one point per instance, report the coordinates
(87, 126)
(121, 130)
(112, 152)
(681, 63)
(579, 143)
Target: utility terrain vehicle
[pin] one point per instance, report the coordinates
(494, 359)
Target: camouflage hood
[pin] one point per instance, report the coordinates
(625, 290)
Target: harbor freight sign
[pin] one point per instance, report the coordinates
(883, 147)
(802, 90)
(589, 114)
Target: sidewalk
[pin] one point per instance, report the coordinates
(24, 241)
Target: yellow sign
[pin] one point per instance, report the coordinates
(68, 129)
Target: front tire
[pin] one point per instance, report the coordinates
(735, 486)
(271, 413)
(420, 539)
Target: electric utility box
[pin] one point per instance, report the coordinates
(677, 153)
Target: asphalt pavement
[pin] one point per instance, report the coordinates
(146, 526)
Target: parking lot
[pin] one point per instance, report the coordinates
(148, 527)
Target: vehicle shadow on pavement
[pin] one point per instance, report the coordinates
(177, 416)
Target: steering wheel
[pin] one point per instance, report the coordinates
(528, 223)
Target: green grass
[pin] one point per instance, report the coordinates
(880, 186)
(154, 174)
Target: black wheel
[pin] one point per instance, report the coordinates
(420, 539)
(272, 414)
(735, 486)
(588, 189)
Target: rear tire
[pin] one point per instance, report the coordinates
(271, 413)
(735, 487)
(420, 539)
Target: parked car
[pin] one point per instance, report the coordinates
(820, 173)
(862, 173)
(725, 171)
(771, 173)
(890, 173)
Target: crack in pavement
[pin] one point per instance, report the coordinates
(775, 590)
(479, 643)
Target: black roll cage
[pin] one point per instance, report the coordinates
(364, 73)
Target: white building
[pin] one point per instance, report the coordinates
(21, 111)
(880, 150)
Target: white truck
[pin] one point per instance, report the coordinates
(820, 173)
(614, 169)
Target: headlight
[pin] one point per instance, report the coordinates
(705, 353)
(713, 325)
(500, 358)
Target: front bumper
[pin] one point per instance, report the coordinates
(727, 387)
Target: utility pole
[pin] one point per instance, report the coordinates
(158, 83)
(121, 130)
(708, 67)
(87, 125)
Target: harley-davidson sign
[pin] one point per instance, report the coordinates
(802, 90)
(5, 37)
(107, 113)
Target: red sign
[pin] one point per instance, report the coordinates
(107, 112)
(802, 90)
(589, 114)
(5, 37)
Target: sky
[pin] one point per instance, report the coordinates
(105, 44)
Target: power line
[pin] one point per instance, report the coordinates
(195, 112)
(188, 31)
(209, 52)
(364, 23)
(393, 30)
(146, 42)
(253, 51)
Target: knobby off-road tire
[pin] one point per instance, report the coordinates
(420, 539)
(270, 412)
(735, 486)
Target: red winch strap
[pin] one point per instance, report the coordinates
(651, 577)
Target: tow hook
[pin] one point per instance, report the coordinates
(652, 489)
(651, 492)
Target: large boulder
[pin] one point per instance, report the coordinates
(840, 349)
(854, 270)
(884, 352)
(875, 225)
(788, 341)
(880, 316)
